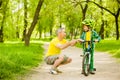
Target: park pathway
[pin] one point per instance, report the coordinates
(107, 68)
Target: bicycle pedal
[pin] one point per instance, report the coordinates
(94, 69)
(81, 55)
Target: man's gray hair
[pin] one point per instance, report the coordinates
(59, 30)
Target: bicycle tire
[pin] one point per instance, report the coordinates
(86, 65)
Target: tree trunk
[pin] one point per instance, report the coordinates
(101, 33)
(40, 28)
(107, 32)
(25, 20)
(76, 32)
(17, 21)
(3, 19)
(1, 34)
(27, 40)
(60, 17)
(117, 25)
(117, 28)
(1, 30)
(71, 33)
(44, 32)
(40, 34)
(28, 35)
(50, 32)
(0, 3)
(84, 10)
(17, 32)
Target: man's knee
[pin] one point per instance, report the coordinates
(69, 60)
(61, 58)
(65, 59)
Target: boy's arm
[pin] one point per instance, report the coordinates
(97, 37)
(82, 36)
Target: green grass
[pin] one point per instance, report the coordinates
(111, 46)
(17, 59)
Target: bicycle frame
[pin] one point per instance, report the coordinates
(86, 59)
(88, 52)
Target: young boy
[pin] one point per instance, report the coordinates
(89, 35)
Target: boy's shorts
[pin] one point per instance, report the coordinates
(51, 59)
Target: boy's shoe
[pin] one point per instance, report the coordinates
(94, 69)
(82, 72)
(52, 71)
(92, 72)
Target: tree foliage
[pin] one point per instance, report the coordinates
(17, 17)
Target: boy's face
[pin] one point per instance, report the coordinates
(85, 28)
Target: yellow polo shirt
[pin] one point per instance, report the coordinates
(53, 50)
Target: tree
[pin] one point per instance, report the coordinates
(3, 6)
(48, 21)
(101, 33)
(28, 34)
(25, 19)
(83, 7)
(115, 14)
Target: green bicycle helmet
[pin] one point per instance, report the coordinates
(88, 22)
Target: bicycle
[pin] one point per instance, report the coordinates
(86, 58)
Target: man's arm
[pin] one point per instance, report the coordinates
(63, 46)
(81, 37)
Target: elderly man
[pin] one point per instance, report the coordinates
(53, 56)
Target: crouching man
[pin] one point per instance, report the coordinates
(53, 56)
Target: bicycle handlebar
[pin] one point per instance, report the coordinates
(87, 41)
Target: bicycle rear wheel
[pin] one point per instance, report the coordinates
(86, 65)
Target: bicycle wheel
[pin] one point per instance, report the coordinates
(86, 65)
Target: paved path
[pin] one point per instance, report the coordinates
(107, 68)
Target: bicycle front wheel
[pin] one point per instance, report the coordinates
(86, 65)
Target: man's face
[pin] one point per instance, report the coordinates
(63, 33)
(85, 28)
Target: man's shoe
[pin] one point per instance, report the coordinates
(58, 71)
(52, 71)
(92, 72)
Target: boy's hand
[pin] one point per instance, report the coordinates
(96, 40)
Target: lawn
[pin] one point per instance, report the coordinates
(16, 59)
(110, 46)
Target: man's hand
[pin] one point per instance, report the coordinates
(73, 42)
(70, 43)
(80, 40)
